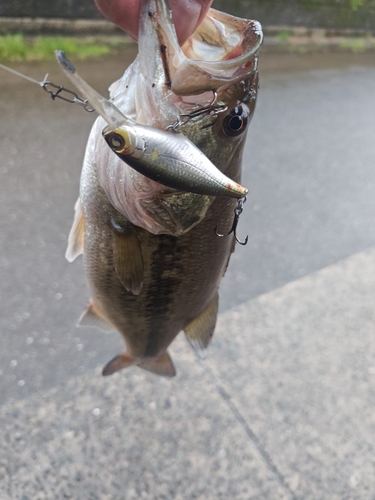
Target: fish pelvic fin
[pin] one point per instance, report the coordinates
(119, 362)
(163, 365)
(77, 234)
(91, 316)
(128, 257)
(199, 331)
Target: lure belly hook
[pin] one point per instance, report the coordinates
(237, 212)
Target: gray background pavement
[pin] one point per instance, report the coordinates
(283, 407)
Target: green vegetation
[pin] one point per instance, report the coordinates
(284, 36)
(356, 4)
(353, 44)
(18, 48)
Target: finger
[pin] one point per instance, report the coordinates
(187, 15)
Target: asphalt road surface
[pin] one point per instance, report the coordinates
(309, 166)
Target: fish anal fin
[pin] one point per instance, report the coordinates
(128, 257)
(199, 331)
(91, 316)
(119, 362)
(163, 365)
(76, 235)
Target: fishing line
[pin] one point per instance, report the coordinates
(17, 73)
(55, 91)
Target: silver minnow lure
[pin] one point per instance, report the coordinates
(168, 158)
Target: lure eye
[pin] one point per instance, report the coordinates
(236, 120)
(122, 140)
(117, 142)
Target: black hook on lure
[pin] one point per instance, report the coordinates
(213, 108)
(237, 212)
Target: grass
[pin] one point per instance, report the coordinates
(293, 43)
(284, 36)
(18, 48)
(355, 44)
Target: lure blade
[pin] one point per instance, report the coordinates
(109, 111)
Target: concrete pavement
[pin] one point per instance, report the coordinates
(283, 407)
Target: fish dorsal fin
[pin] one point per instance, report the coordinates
(117, 363)
(76, 235)
(199, 331)
(163, 365)
(91, 316)
(128, 259)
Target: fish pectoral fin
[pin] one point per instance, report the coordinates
(163, 365)
(76, 235)
(91, 316)
(117, 363)
(199, 331)
(128, 257)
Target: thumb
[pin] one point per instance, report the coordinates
(187, 15)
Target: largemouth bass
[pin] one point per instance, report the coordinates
(149, 203)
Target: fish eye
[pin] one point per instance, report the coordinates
(236, 120)
(117, 142)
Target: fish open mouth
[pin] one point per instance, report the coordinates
(223, 50)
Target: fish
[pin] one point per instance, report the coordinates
(161, 171)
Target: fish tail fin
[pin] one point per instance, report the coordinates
(117, 363)
(163, 365)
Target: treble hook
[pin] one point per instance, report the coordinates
(237, 212)
(210, 109)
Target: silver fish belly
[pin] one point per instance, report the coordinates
(152, 258)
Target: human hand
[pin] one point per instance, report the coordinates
(187, 15)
